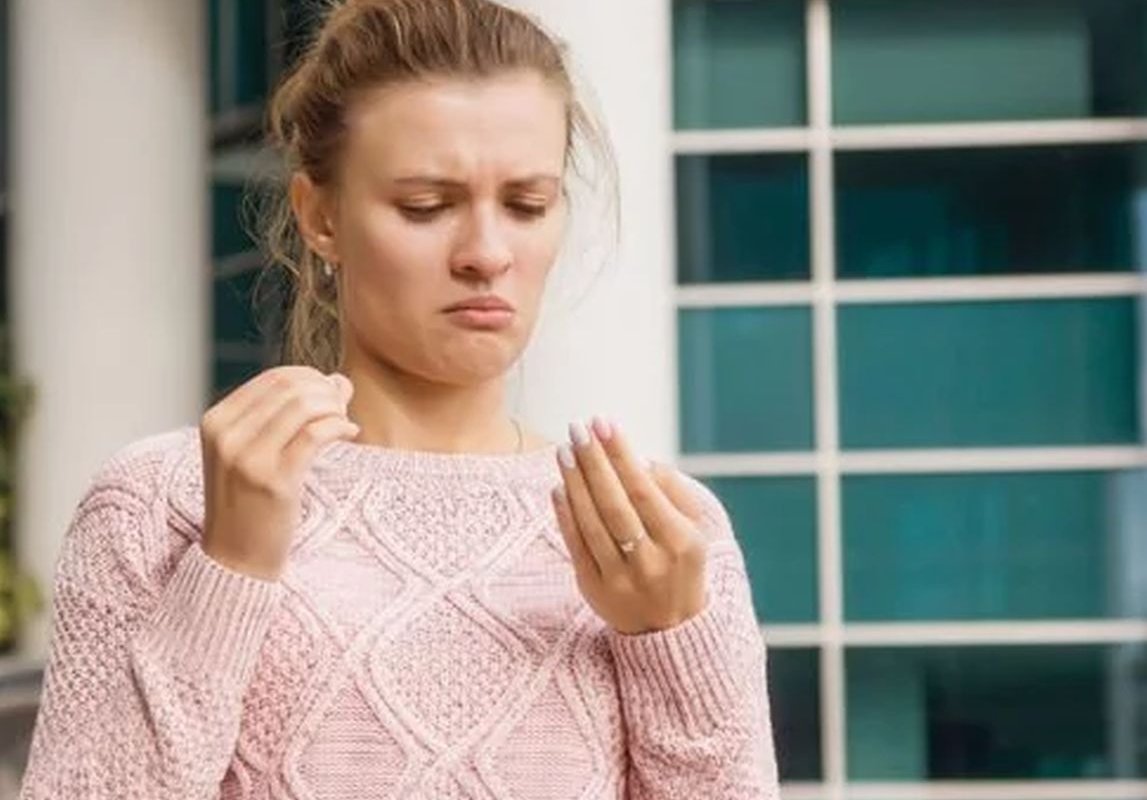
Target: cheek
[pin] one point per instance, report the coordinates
(540, 251)
(392, 259)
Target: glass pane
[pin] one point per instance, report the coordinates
(1059, 372)
(738, 63)
(794, 693)
(1069, 545)
(991, 211)
(939, 61)
(228, 235)
(742, 218)
(775, 522)
(234, 310)
(238, 52)
(253, 51)
(746, 379)
(214, 102)
(999, 712)
(228, 374)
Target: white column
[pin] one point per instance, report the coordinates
(108, 274)
(615, 351)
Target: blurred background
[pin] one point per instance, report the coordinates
(880, 286)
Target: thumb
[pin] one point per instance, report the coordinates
(344, 386)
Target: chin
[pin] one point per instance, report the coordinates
(481, 365)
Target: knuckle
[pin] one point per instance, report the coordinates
(616, 582)
(612, 511)
(225, 447)
(688, 552)
(251, 470)
(309, 434)
(649, 575)
(641, 494)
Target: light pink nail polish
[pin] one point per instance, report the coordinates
(603, 428)
(566, 456)
(579, 434)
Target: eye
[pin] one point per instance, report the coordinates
(529, 210)
(423, 213)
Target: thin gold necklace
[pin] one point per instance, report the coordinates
(518, 428)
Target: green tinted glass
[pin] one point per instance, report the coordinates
(942, 61)
(1066, 545)
(746, 379)
(228, 235)
(1060, 372)
(991, 211)
(794, 691)
(775, 523)
(738, 63)
(742, 218)
(991, 712)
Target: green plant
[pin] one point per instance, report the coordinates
(20, 595)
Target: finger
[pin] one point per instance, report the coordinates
(311, 437)
(597, 538)
(609, 496)
(658, 514)
(583, 560)
(224, 413)
(304, 407)
(304, 400)
(679, 492)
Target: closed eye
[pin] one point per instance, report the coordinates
(422, 213)
(529, 210)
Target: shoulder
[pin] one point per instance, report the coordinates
(142, 467)
(120, 538)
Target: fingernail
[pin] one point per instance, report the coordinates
(603, 428)
(566, 456)
(579, 434)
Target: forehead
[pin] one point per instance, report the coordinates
(507, 124)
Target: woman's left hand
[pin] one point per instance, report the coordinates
(633, 533)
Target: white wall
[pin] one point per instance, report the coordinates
(614, 352)
(108, 275)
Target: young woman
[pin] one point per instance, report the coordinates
(358, 577)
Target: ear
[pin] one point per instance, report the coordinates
(312, 214)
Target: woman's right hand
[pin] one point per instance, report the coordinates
(258, 442)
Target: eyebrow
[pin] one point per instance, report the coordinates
(449, 183)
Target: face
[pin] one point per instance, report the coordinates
(450, 192)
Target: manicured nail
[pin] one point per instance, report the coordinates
(603, 428)
(579, 434)
(566, 456)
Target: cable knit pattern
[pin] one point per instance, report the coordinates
(427, 641)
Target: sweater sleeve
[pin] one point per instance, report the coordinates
(695, 696)
(150, 653)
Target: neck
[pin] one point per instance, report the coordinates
(404, 412)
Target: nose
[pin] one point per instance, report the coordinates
(483, 250)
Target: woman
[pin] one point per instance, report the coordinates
(357, 576)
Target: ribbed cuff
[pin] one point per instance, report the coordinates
(211, 621)
(680, 676)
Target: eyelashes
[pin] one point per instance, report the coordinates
(428, 213)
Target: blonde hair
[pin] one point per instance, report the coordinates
(366, 44)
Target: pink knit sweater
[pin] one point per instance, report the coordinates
(427, 640)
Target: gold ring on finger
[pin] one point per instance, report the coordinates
(627, 546)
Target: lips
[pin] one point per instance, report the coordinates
(489, 303)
